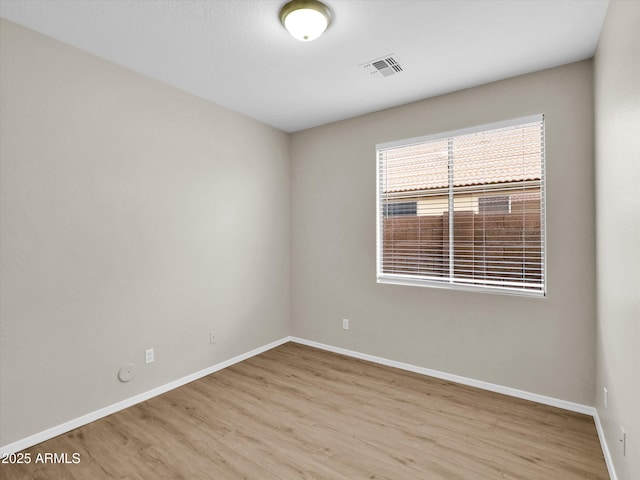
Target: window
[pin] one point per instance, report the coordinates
(501, 204)
(464, 209)
(400, 208)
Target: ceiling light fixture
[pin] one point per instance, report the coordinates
(305, 20)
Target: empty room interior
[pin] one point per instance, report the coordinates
(260, 239)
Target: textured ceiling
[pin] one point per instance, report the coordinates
(237, 54)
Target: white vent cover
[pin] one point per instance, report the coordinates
(385, 66)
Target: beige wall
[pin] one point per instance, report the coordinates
(617, 94)
(122, 229)
(545, 346)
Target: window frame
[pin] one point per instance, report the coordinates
(399, 279)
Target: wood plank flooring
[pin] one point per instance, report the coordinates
(296, 412)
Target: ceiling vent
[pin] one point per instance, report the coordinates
(385, 66)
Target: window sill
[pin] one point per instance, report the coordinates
(413, 282)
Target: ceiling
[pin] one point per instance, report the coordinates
(237, 54)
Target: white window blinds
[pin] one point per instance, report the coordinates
(478, 220)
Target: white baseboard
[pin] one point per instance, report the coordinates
(554, 402)
(103, 412)
(116, 407)
(513, 392)
(605, 446)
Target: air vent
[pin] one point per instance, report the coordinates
(385, 66)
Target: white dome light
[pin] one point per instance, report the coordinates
(305, 20)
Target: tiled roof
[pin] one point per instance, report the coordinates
(499, 156)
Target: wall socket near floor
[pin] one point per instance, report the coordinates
(149, 355)
(213, 337)
(345, 323)
(605, 398)
(623, 441)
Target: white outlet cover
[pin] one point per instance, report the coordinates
(148, 355)
(127, 372)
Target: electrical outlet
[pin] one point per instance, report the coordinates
(149, 356)
(213, 337)
(623, 441)
(345, 323)
(605, 396)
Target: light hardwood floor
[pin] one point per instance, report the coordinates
(298, 412)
